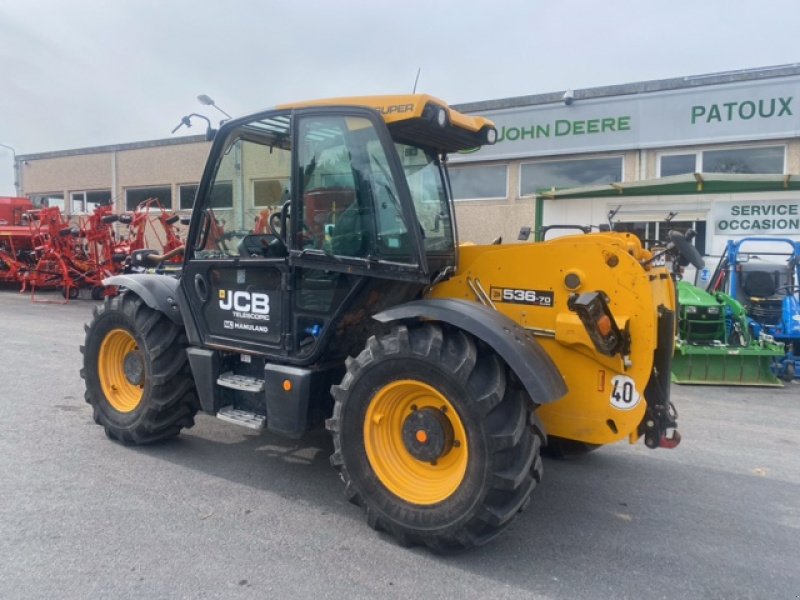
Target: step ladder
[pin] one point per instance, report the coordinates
(244, 418)
(243, 383)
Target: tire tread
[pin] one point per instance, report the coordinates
(515, 467)
(172, 401)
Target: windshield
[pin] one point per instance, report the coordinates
(426, 183)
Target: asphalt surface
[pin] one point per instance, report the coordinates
(224, 512)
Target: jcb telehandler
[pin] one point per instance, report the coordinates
(438, 369)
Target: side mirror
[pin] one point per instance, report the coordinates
(685, 248)
(186, 121)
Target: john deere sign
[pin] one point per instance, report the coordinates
(742, 111)
(562, 127)
(756, 218)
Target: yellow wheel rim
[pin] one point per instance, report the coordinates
(122, 394)
(414, 480)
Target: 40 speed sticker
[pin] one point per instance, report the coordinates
(624, 394)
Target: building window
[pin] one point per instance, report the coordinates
(221, 195)
(78, 203)
(678, 164)
(760, 159)
(755, 159)
(270, 192)
(267, 193)
(654, 233)
(479, 182)
(49, 200)
(186, 194)
(83, 203)
(135, 196)
(536, 177)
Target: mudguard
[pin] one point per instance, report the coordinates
(518, 348)
(159, 292)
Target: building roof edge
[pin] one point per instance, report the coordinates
(189, 139)
(641, 87)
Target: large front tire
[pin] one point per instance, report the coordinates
(433, 440)
(138, 380)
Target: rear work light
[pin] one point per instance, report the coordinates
(592, 309)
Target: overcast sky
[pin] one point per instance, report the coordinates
(91, 72)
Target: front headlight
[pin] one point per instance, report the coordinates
(691, 310)
(713, 310)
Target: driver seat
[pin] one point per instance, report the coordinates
(764, 306)
(760, 284)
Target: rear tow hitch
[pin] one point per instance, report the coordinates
(670, 442)
(660, 426)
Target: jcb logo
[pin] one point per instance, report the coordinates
(255, 302)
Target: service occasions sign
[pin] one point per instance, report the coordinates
(778, 217)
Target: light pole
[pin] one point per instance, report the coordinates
(16, 168)
(203, 99)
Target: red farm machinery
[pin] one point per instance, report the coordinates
(43, 249)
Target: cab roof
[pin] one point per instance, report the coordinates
(413, 119)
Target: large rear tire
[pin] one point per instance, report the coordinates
(433, 440)
(138, 380)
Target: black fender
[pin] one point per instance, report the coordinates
(516, 346)
(159, 292)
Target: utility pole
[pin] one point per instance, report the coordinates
(16, 168)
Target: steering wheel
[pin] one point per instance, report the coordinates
(685, 249)
(788, 290)
(277, 224)
(274, 224)
(221, 241)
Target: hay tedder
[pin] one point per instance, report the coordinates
(42, 249)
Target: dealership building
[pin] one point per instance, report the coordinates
(719, 153)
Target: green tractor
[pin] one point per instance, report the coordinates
(715, 346)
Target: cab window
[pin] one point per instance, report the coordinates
(425, 177)
(250, 185)
(349, 200)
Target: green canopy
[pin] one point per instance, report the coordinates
(693, 183)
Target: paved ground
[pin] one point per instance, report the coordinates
(225, 513)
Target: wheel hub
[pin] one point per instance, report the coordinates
(427, 434)
(415, 442)
(133, 366)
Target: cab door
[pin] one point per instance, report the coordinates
(353, 224)
(352, 206)
(236, 272)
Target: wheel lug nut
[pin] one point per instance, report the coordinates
(456, 444)
(413, 407)
(443, 409)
